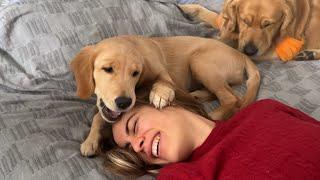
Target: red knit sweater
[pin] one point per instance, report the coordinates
(267, 140)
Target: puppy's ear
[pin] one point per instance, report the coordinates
(296, 15)
(229, 25)
(286, 28)
(82, 67)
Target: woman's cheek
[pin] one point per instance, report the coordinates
(145, 125)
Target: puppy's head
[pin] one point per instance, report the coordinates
(258, 23)
(111, 70)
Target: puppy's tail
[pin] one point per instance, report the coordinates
(253, 83)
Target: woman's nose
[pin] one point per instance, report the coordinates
(137, 144)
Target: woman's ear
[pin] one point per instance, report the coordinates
(229, 24)
(82, 67)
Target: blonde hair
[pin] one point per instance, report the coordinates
(126, 162)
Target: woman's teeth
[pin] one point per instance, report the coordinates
(155, 146)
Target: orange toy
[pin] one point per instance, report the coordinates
(288, 48)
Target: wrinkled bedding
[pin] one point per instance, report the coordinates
(42, 122)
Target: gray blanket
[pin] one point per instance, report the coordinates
(42, 122)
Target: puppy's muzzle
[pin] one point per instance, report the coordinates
(107, 114)
(123, 103)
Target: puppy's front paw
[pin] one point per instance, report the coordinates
(161, 95)
(89, 147)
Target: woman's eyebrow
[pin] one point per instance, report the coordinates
(127, 123)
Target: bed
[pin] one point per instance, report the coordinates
(43, 122)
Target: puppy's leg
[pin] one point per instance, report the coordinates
(253, 83)
(203, 95)
(212, 77)
(308, 54)
(161, 94)
(200, 13)
(90, 146)
(229, 103)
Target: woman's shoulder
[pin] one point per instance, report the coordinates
(270, 106)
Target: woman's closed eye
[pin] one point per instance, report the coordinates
(135, 127)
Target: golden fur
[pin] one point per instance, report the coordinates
(263, 24)
(187, 62)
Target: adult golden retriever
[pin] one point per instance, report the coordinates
(267, 29)
(113, 68)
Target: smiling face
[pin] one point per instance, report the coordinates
(159, 136)
(259, 24)
(116, 74)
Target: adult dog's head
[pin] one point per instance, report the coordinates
(111, 69)
(261, 24)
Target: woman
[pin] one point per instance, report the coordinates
(267, 140)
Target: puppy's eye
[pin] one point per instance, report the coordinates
(108, 69)
(135, 73)
(247, 22)
(265, 24)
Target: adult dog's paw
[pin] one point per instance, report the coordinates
(161, 95)
(306, 55)
(90, 146)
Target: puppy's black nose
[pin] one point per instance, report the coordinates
(123, 102)
(250, 49)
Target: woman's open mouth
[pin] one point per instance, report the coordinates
(155, 145)
(108, 114)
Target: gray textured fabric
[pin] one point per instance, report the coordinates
(42, 122)
(216, 4)
(210, 4)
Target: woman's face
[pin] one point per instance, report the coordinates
(158, 136)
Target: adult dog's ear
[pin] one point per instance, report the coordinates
(296, 15)
(288, 11)
(82, 67)
(229, 23)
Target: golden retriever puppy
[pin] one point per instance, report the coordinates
(272, 29)
(115, 67)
